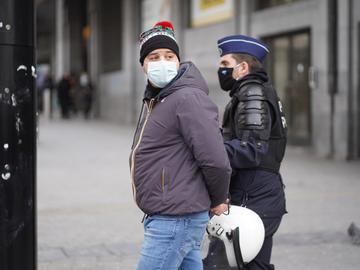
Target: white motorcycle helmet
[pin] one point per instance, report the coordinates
(242, 232)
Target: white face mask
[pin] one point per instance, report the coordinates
(160, 73)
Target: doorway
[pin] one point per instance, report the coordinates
(288, 65)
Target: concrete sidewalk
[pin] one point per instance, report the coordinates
(87, 218)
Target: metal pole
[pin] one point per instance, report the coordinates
(136, 11)
(17, 136)
(351, 114)
(333, 72)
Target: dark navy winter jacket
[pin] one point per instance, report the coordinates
(258, 189)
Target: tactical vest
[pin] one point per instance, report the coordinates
(278, 135)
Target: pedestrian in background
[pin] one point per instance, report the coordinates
(254, 131)
(49, 86)
(86, 90)
(179, 166)
(40, 87)
(64, 96)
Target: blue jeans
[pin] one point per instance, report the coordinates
(173, 242)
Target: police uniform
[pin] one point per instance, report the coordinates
(254, 131)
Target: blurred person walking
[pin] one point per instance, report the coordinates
(254, 131)
(179, 166)
(40, 87)
(64, 96)
(86, 91)
(49, 86)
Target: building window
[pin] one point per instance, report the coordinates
(153, 11)
(110, 29)
(206, 12)
(263, 4)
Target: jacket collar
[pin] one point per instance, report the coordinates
(259, 76)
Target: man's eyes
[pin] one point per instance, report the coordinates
(224, 64)
(154, 58)
(170, 56)
(157, 57)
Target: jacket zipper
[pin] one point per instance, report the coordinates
(163, 180)
(149, 109)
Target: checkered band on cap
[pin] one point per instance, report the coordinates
(156, 31)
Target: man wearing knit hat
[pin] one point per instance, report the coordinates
(179, 166)
(254, 131)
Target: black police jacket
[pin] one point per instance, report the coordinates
(254, 130)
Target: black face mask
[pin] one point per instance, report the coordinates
(225, 78)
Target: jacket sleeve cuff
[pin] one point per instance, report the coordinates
(218, 201)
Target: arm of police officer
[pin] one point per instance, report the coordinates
(198, 124)
(253, 120)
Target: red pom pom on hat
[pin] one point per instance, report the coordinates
(165, 24)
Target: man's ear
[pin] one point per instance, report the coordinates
(246, 68)
(243, 69)
(144, 67)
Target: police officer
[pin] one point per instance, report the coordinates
(254, 131)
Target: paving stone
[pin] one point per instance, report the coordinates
(51, 254)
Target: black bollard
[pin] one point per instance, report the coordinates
(17, 136)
